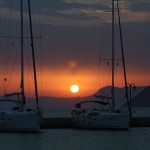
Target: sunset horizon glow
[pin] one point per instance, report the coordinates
(53, 85)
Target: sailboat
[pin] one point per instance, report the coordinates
(106, 116)
(20, 118)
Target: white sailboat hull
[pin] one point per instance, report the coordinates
(19, 121)
(106, 120)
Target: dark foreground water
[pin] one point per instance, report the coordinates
(73, 139)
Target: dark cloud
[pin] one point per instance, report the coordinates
(59, 8)
(140, 7)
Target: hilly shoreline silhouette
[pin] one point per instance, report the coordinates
(140, 98)
(140, 93)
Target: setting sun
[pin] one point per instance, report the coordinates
(74, 88)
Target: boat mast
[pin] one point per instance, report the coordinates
(122, 50)
(22, 55)
(33, 56)
(113, 55)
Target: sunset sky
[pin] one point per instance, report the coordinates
(68, 53)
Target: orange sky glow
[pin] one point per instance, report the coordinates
(58, 85)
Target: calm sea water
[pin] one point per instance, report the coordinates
(73, 139)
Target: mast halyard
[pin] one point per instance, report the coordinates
(113, 55)
(22, 56)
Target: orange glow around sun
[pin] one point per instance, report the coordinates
(58, 83)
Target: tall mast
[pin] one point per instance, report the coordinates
(33, 56)
(22, 55)
(113, 55)
(122, 50)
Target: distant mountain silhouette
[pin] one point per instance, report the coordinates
(52, 102)
(142, 99)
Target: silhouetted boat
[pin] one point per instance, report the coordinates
(19, 118)
(107, 117)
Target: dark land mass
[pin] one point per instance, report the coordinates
(142, 99)
(52, 102)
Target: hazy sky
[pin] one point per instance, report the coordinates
(73, 32)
